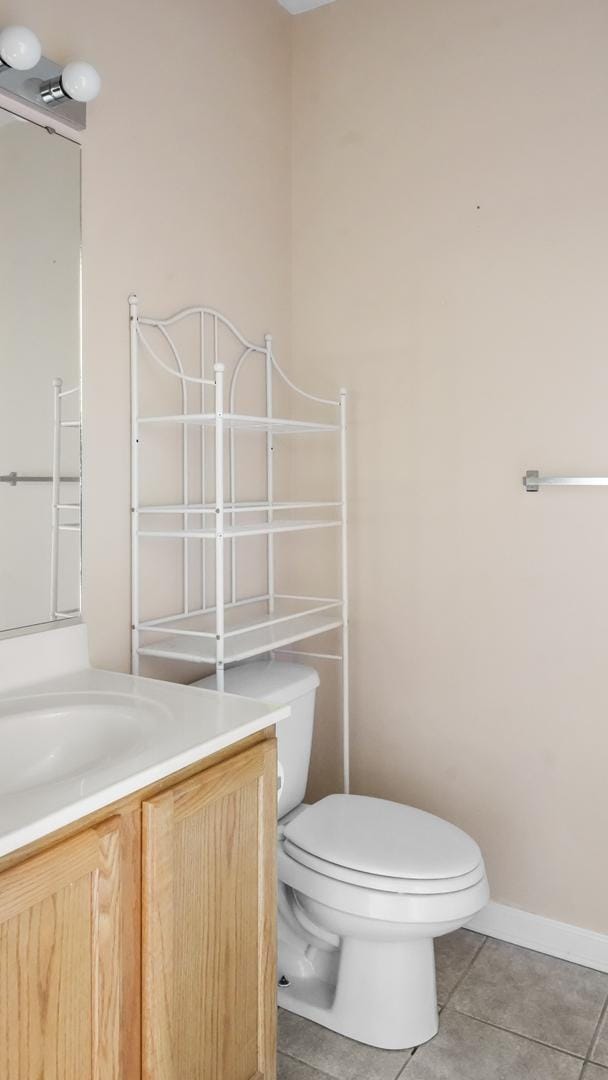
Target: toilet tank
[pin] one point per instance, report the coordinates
(280, 684)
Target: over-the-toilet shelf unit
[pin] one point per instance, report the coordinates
(225, 627)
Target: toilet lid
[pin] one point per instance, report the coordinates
(384, 838)
(381, 882)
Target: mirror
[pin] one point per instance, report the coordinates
(40, 348)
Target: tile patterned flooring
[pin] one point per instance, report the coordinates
(506, 1014)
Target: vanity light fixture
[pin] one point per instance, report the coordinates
(58, 93)
(78, 81)
(19, 48)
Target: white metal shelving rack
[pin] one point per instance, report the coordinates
(224, 627)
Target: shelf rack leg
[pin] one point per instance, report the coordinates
(203, 478)
(345, 614)
(219, 524)
(135, 615)
(270, 474)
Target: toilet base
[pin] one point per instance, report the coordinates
(384, 996)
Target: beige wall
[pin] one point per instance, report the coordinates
(450, 267)
(185, 199)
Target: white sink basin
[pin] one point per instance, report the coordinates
(54, 737)
(79, 741)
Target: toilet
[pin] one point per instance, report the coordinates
(365, 885)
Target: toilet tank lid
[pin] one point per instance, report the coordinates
(267, 680)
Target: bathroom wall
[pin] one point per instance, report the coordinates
(185, 200)
(450, 234)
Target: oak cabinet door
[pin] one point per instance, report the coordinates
(209, 911)
(60, 961)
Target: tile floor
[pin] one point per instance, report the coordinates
(506, 1014)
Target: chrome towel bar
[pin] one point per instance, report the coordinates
(14, 478)
(533, 481)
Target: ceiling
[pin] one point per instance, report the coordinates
(296, 7)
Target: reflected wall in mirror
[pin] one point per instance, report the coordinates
(40, 432)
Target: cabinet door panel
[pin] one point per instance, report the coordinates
(209, 924)
(60, 961)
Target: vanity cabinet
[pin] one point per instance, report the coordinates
(142, 946)
(208, 924)
(60, 978)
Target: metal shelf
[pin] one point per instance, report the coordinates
(242, 422)
(234, 508)
(231, 532)
(251, 636)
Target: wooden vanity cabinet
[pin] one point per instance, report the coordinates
(143, 945)
(209, 924)
(60, 982)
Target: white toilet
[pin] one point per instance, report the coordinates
(365, 885)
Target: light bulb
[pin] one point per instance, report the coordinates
(80, 81)
(19, 48)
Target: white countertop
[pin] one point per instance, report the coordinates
(176, 726)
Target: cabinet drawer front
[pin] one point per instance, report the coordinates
(209, 1009)
(60, 961)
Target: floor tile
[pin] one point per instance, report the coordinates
(466, 1049)
(594, 1072)
(340, 1058)
(290, 1069)
(453, 955)
(535, 995)
(600, 1050)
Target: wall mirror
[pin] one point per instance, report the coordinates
(40, 364)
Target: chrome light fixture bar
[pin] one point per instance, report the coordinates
(30, 78)
(533, 481)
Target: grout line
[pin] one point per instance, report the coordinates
(539, 1042)
(299, 1061)
(596, 1034)
(406, 1063)
(520, 1035)
(476, 954)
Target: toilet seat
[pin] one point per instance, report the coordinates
(403, 907)
(382, 845)
(383, 883)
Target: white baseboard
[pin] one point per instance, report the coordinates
(548, 936)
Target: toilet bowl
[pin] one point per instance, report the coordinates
(358, 914)
(365, 885)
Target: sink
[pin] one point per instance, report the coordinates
(50, 738)
(74, 740)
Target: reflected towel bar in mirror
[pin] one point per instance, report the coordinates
(14, 478)
(533, 481)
